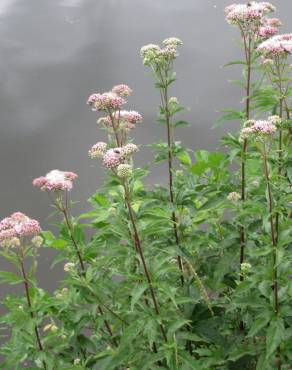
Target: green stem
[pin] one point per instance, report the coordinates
(28, 299)
(248, 54)
(274, 240)
(164, 102)
(64, 210)
(141, 254)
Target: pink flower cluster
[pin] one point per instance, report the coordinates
(267, 31)
(122, 90)
(113, 157)
(124, 119)
(258, 128)
(97, 150)
(273, 22)
(106, 101)
(55, 180)
(280, 45)
(248, 13)
(130, 116)
(18, 225)
(129, 149)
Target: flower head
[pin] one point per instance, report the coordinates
(274, 22)
(275, 120)
(16, 226)
(122, 90)
(129, 149)
(113, 157)
(173, 41)
(150, 49)
(55, 180)
(10, 242)
(98, 150)
(124, 170)
(245, 266)
(130, 116)
(105, 101)
(233, 196)
(173, 100)
(267, 31)
(260, 128)
(279, 45)
(69, 266)
(37, 241)
(248, 14)
(152, 54)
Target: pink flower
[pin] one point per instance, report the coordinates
(55, 180)
(258, 128)
(129, 149)
(18, 225)
(105, 101)
(274, 22)
(113, 157)
(130, 116)
(92, 98)
(106, 121)
(122, 90)
(123, 119)
(267, 31)
(246, 14)
(98, 150)
(280, 45)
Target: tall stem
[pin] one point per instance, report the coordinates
(170, 175)
(274, 241)
(64, 210)
(28, 299)
(141, 254)
(247, 46)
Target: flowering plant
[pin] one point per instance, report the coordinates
(192, 275)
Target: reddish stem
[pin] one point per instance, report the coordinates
(26, 287)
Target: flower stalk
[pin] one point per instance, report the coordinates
(141, 255)
(64, 209)
(273, 239)
(29, 303)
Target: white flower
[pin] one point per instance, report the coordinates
(69, 266)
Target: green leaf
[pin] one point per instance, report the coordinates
(185, 158)
(181, 123)
(235, 62)
(261, 321)
(137, 294)
(275, 334)
(9, 277)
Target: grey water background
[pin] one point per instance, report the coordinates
(54, 53)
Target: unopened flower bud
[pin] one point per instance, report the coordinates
(233, 196)
(275, 120)
(69, 266)
(173, 100)
(245, 267)
(37, 241)
(50, 327)
(124, 170)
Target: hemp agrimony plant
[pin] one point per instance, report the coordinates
(151, 273)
